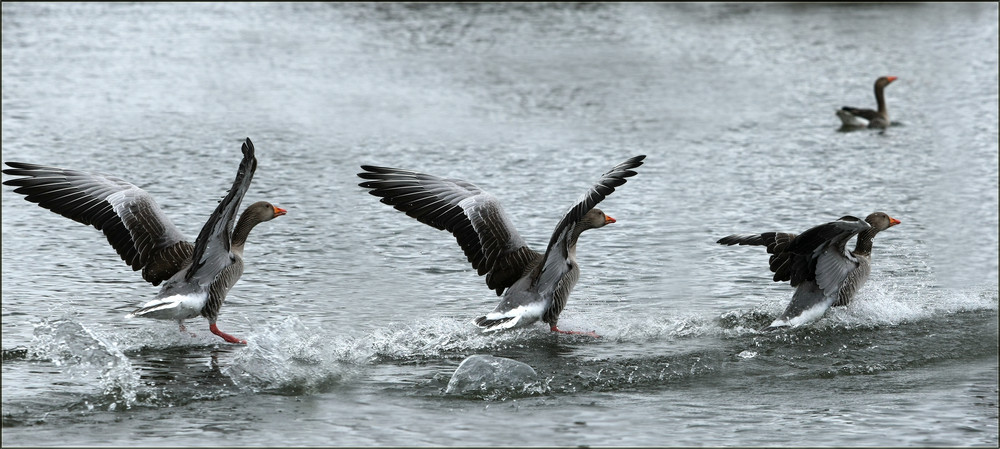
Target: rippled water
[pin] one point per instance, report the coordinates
(358, 315)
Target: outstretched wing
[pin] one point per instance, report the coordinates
(795, 258)
(781, 262)
(212, 247)
(476, 219)
(554, 261)
(129, 217)
(826, 246)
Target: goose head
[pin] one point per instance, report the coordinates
(881, 221)
(884, 81)
(595, 218)
(262, 211)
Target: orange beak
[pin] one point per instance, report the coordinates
(608, 219)
(893, 222)
(279, 211)
(891, 78)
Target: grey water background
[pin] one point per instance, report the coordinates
(357, 315)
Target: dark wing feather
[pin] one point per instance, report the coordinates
(793, 257)
(129, 217)
(212, 247)
(601, 189)
(867, 114)
(489, 239)
(785, 265)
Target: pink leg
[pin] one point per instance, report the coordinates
(215, 330)
(556, 329)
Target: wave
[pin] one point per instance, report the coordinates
(91, 365)
(887, 328)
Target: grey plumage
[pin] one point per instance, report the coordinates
(818, 263)
(195, 276)
(875, 118)
(131, 220)
(525, 278)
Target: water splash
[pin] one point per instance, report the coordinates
(290, 358)
(439, 337)
(495, 379)
(880, 303)
(889, 303)
(82, 352)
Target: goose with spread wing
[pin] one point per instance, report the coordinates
(533, 285)
(196, 276)
(818, 264)
(875, 119)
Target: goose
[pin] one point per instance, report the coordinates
(533, 285)
(818, 263)
(876, 119)
(196, 276)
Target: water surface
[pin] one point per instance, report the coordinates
(357, 315)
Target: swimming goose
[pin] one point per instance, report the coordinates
(876, 119)
(818, 264)
(533, 285)
(197, 275)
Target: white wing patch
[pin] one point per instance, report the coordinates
(523, 315)
(176, 307)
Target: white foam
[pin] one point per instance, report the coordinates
(887, 303)
(292, 357)
(287, 356)
(82, 352)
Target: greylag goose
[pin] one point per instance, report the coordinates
(533, 285)
(818, 264)
(198, 276)
(876, 119)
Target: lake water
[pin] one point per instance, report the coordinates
(357, 315)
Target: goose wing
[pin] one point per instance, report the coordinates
(554, 265)
(131, 220)
(212, 247)
(826, 264)
(818, 254)
(476, 219)
(781, 262)
(822, 255)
